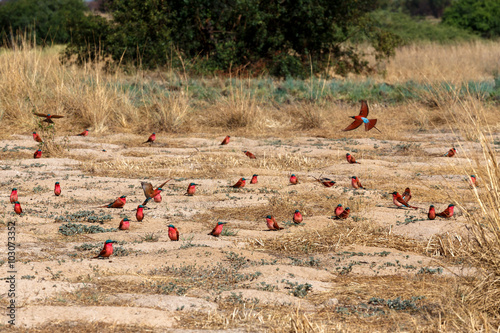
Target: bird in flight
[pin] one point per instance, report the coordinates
(150, 192)
(48, 117)
(362, 118)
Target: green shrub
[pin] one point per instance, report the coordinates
(482, 17)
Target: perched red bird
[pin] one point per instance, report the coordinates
(450, 153)
(293, 179)
(124, 224)
(356, 183)
(150, 192)
(297, 217)
(339, 210)
(48, 117)
(351, 159)
(240, 183)
(407, 194)
(191, 189)
(447, 213)
(344, 214)
(225, 141)
(151, 138)
(37, 154)
(17, 208)
(57, 189)
(118, 203)
(399, 201)
(325, 181)
(13, 195)
(84, 133)
(249, 154)
(254, 179)
(173, 233)
(37, 137)
(361, 118)
(106, 251)
(432, 213)
(472, 181)
(139, 214)
(271, 223)
(218, 229)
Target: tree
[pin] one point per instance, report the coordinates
(479, 16)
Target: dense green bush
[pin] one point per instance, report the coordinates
(479, 16)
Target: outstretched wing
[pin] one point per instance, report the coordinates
(371, 124)
(364, 109)
(40, 114)
(148, 189)
(407, 194)
(355, 124)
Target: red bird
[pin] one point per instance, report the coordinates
(399, 201)
(106, 251)
(191, 189)
(240, 183)
(407, 194)
(225, 141)
(151, 138)
(447, 213)
(118, 203)
(151, 193)
(344, 214)
(157, 198)
(338, 210)
(249, 154)
(356, 183)
(271, 223)
(254, 179)
(451, 152)
(84, 133)
(361, 118)
(37, 137)
(57, 189)
(139, 214)
(48, 117)
(173, 233)
(325, 181)
(472, 181)
(37, 154)
(294, 180)
(13, 195)
(17, 208)
(124, 224)
(432, 213)
(351, 159)
(218, 229)
(297, 217)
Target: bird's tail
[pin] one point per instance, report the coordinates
(413, 207)
(371, 124)
(146, 202)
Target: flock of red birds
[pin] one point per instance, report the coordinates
(154, 194)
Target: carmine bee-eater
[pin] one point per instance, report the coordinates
(432, 213)
(339, 210)
(84, 133)
(254, 179)
(272, 224)
(151, 138)
(48, 117)
(351, 159)
(37, 137)
(450, 153)
(150, 192)
(17, 208)
(472, 181)
(297, 217)
(399, 201)
(293, 179)
(240, 183)
(37, 154)
(407, 194)
(13, 195)
(106, 251)
(361, 118)
(327, 182)
(157, 198)
(249, 154)
(356, 183)
(57, 189)
(124, 224)
(118, 203)
(218, 229)
(191, 189)
(225, 141)
(139, 214)
(344, 214)
(447, 213)
(173, 233)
